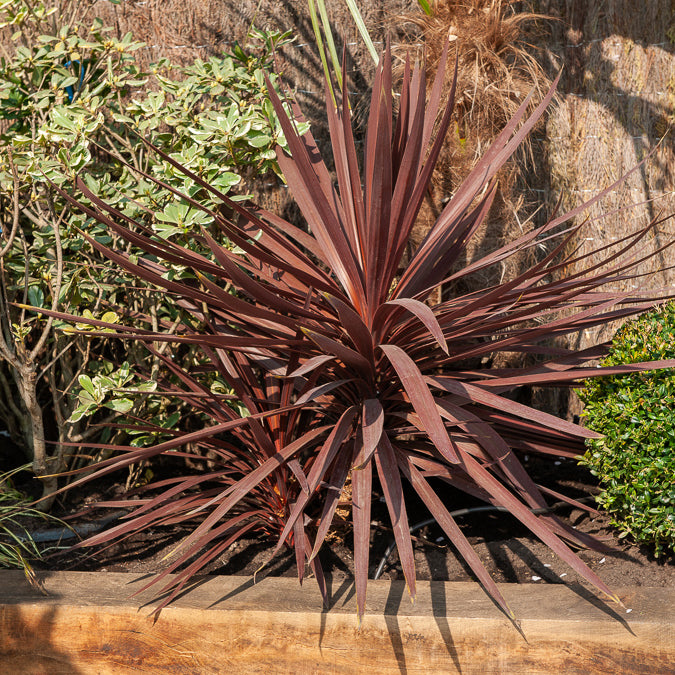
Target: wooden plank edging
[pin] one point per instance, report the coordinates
(88, 624)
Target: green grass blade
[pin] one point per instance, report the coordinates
(330, 43)
(320, 45)
(426, 7)
(358, 20)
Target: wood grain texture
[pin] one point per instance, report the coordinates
(86, 623)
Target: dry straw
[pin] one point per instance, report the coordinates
(618, 105)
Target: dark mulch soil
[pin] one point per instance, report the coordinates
(505, 547)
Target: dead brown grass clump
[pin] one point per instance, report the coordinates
(497, 68)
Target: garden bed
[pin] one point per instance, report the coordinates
(506, 548)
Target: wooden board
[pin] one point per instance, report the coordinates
(88, 624)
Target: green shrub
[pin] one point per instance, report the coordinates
(635, 461)
(73, 103)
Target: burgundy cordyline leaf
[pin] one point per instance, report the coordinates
(421, 400)
(347, 375)
(451, 529)
(362, 480)
(390, 480)
(372, 426)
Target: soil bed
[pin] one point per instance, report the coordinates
(507, 549)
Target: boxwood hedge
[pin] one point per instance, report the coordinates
(635, 461)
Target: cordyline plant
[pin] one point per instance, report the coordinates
(344, 372)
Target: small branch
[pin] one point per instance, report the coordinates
(61, 449)
(56, 358)
(93, 429)
(46, 331)
(16, 211)
(26, 273)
